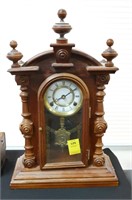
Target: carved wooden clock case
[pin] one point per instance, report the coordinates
(62, 94)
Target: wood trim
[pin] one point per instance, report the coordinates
(85, 131)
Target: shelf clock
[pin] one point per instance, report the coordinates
(62, 92)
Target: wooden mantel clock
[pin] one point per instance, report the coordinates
(62, 92)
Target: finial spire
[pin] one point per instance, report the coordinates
(62, 28)
(14, 55)
(109, 53)
(62, 49)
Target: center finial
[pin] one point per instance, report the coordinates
(62, 28)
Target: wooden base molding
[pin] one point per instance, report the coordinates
(63, 178)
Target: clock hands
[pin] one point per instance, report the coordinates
(67, 94)
(64, 95)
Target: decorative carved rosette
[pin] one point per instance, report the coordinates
(100, 127)
(29, 162)
(62, 55)
(99, 161)
(26, 127)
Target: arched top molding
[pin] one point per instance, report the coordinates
(76, 55)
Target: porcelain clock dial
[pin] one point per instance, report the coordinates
(63, 97)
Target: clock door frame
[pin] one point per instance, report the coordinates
(85, 123)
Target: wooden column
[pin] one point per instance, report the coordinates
(26, 127)
(22, 79)
(100, 124)
(102, 77)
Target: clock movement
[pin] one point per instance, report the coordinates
(62, 93)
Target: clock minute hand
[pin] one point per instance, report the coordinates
(67, 94)
(70, 92)
(63, 96)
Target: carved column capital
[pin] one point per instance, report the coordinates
(102, 79)
(22, 80)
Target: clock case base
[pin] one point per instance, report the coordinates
(63, 178)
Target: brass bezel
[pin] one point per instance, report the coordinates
(63, 113)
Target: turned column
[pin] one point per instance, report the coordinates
(102, 78)
(100, 124)
(26, 127)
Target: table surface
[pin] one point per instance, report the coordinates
(123, 191)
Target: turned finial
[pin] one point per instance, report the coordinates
(14, 55)
(109, 54)
(62, 28)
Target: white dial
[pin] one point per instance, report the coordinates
(63, 97)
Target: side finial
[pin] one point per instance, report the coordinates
(14, 55)
(109, 54)
(62, 28)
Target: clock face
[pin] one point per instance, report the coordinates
(63, 97)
